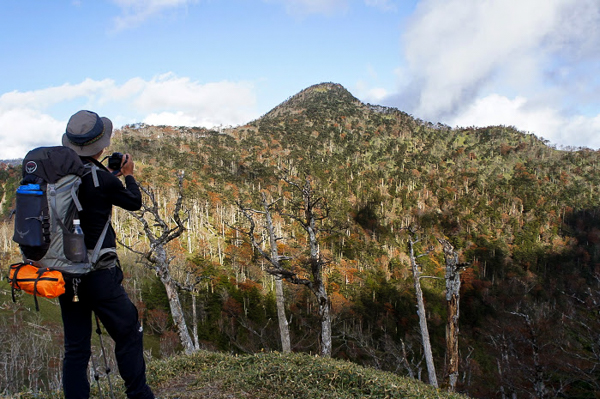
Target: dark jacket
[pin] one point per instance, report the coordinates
(97, 202)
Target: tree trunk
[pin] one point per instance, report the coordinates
(284, 331)
(425, 332)
(325, 322)
(177, 315)
(507, 390)
(452, 343)
(319, 289)
(195, 321)
(452, 278)
(422, 317)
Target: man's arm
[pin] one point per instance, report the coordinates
(128, 197)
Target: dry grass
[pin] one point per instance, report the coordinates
(213, 375)
(277, 376)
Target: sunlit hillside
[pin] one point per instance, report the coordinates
(522, 215)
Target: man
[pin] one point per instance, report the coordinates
(100, 291)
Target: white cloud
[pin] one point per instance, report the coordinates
(453, 47)
(496, 109)
(543, 121)
(194, 104)
(36, 118)
(544, 53)
(368, 94)
(136, 12)
(44, 98)
(581, 131)
(23, 129)
(25, 121)
(377, 94)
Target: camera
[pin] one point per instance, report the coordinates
(115, 160)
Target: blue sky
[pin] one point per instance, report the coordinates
(533, 64)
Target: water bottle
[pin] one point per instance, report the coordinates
(77, 227)
(76, 250)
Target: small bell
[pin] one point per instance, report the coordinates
(76, 282)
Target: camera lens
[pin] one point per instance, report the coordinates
(115, 160)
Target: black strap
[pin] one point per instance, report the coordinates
(35, 283)
(14, 281)
(37, 307)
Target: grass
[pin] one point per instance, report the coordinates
(272, 375)
(276, 376)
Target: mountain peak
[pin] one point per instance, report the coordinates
(315, 96)
(336, 88)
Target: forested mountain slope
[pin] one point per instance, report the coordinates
(505, 197)
(522, 214)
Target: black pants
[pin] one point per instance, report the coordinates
(101, 292)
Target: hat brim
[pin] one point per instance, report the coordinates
(94, 148)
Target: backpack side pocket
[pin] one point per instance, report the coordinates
(74, 247)
(31, 218)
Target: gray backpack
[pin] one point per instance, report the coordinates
(46, 206)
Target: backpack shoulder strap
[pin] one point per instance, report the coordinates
(93, 169)
(98, 247)
(53, 192)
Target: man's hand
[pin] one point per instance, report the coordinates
(127, 165)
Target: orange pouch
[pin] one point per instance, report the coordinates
(37, 281)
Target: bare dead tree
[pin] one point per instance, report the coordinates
(362, 343)
(309, 211)
(581, 321)
(385, 353)
(452, 277)
(191, 285)
(503, 365)
(273, 257)
(399, 352)
(159, 233)
(260, 334)
(417, 275)
(538, 379)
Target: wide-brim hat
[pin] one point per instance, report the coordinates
(87, 133)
